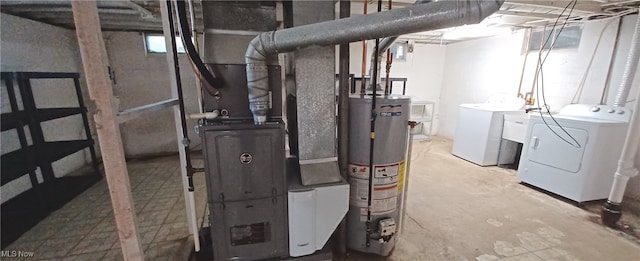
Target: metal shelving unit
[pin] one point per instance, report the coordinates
(26, 209)
(423, 117)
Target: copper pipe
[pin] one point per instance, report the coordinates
(363, 85)
(524, 63)
(530, 101)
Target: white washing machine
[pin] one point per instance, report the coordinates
(479, 129)
(580, 171)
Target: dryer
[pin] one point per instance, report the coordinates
(579, 167)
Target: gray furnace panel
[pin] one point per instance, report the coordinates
(250, 229)
(244, 163)
(246, 187)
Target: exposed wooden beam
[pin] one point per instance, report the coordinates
(95, 63)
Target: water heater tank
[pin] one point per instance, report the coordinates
(389, 155)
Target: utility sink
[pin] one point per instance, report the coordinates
(515, 127)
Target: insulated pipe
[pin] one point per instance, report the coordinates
(194, 33)
(629, 69)
(417, 18)
(343, 124)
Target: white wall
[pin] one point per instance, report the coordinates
(143, 78)
(423, 69)
(475, 70)
(27, 45)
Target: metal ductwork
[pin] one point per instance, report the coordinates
(417, 18)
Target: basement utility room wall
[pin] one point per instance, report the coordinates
(475, 70)
(142, 78)
(27, 45)
(423, 69)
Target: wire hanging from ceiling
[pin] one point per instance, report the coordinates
(540, 80)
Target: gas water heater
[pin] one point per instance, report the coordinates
(374, 207)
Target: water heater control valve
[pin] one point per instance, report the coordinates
(387, 228)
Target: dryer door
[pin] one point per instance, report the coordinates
(547, 148)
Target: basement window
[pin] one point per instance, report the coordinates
(154, 43)
(399, 51)
(568, 38)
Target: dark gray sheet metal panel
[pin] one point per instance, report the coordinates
(233, 94)
(261, 147)
(250, 229)
(246, 187)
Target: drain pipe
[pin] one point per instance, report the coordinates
(417, 18)
(611, 211)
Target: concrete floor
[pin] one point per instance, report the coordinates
(456, 211)
(459, 211)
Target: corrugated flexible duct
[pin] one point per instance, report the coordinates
(629, 69)
(417, 18)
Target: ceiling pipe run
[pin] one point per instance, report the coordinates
(417, 18)
(385, 44)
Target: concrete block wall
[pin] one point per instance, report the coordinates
(28, 45)
(143, 78)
